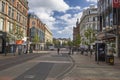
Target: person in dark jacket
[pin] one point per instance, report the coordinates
(58, 50)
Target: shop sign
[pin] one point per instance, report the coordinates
(19, 41)
(116, 3)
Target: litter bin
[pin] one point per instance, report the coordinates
(110, 59)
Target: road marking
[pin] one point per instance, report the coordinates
(29, 76)
(50, 61)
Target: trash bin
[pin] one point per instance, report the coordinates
(110, 59)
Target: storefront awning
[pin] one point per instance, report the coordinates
(104, 36)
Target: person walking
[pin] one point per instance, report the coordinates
(58, 50)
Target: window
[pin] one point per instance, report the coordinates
(93, 18)
(17, 18)
(3, 6)
(9, 11)
(11, 28)
(115, 16)
(13, 1)
(1, 24)
(111, 19)
(17, 4)
(33, 22)
(12, 13)
(8, 26)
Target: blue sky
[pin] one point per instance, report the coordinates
(59, 15)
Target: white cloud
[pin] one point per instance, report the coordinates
(92, 1)
(70, 21)
(76, 8)
(44, 9)
(55, 5)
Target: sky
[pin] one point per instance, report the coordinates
(60, 15)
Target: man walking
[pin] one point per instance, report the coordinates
(58, 50)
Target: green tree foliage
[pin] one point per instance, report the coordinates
(90, 36)
(56, 42)
(77, 41)
(70, 43)
(36, 38)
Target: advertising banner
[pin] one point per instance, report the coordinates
(116, 3)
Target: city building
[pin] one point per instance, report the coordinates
(36, 32)
(109, 23)
(61, 42)
(48, 35)
(76, 31)
(88, 25)
(13, 22)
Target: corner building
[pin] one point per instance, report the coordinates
(36, 29)
(109, 24)
(13, 22)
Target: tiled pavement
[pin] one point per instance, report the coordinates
(87, 69)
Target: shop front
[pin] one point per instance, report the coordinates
(110, 41)
(3, 42)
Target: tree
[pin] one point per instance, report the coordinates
(36, 38)
(90, 36)
(56, 42)
(77, 41)
(70, 43)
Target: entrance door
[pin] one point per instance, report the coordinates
(1, 42)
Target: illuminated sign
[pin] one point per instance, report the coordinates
(116, 3)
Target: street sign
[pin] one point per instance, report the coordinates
(116, 3)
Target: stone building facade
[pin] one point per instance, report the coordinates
(13, 21)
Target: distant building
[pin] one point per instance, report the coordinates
(48, 35)
(76, 30)
(37, 29)
(61, 42)
(13, 21)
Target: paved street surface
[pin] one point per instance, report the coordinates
(45, 67)
(87, 69)
(58, 67)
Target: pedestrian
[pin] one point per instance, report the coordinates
(58, 50)
(69, 51)
(25, 49)
(72, 50)
(19, 49)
